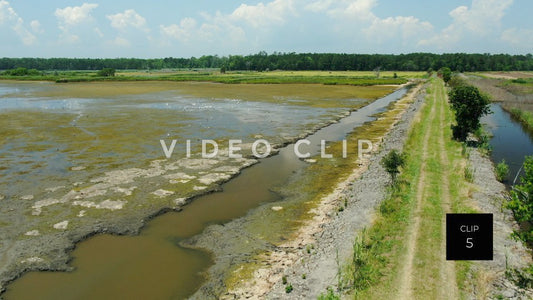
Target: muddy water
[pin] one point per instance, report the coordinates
(510, 141)
(153, 265)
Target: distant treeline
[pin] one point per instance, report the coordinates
(290, 61)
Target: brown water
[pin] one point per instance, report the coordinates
(153, 265)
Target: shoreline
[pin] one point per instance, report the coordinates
(128, 225)
(488, 278)
(364, 189)
(280, 256)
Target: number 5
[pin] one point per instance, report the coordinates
(469, 243)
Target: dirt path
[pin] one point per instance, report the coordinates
(445, 280)
(406, 272)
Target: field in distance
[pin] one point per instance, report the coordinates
(361, 78)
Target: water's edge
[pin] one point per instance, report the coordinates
(135, 224)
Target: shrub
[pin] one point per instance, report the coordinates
(330, 295)
(446, 74)
(392, 163)
(456, 81)
(519, 80)
(523, 278)
(502, 171)
(288, 288)
(521, 202)
(469, 174)
(106, 72)
(362, 269)
(22, 72)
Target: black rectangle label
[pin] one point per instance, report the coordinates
(469, 237)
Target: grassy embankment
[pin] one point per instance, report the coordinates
(402, 252)
(275, 77)
(520, 86)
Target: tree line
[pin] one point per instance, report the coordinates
(262, 61)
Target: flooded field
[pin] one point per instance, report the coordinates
(83, 158)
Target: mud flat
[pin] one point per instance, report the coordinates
(42, 223)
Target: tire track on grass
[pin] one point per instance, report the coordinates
(406, 273)
(447, 290)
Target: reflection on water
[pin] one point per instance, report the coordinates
(153, 265)
(510, 141)
(88, 132)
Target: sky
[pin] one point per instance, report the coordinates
(179, 28)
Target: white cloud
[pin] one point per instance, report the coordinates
(9, 16)
(253, 27)
(218, 29)
(482, 19)
(360, 10)
(280, 25)
(6, 12)
(36, 26)
(26, 37)
(319, 6)
(260, 15)
(181, 32)
(355, 10)
(98, 32)
(367, 28)
(73, 15)
(484, 16)
(129, 18)
(121, 42)
(519, 37)
(404, 27)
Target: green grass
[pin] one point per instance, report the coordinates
(379, 253)
(331, 78)
(383, 242)
(523, 116)
(519, 86)
(329, 295)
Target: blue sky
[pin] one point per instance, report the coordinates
(120, 28)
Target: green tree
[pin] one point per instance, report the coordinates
(106, 72)
(392, 163)
(469, 106)
(22, 72)
(521, 202)
(456, 81)
(446, 74)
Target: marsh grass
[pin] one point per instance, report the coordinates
(523, 116)
(281, 77)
